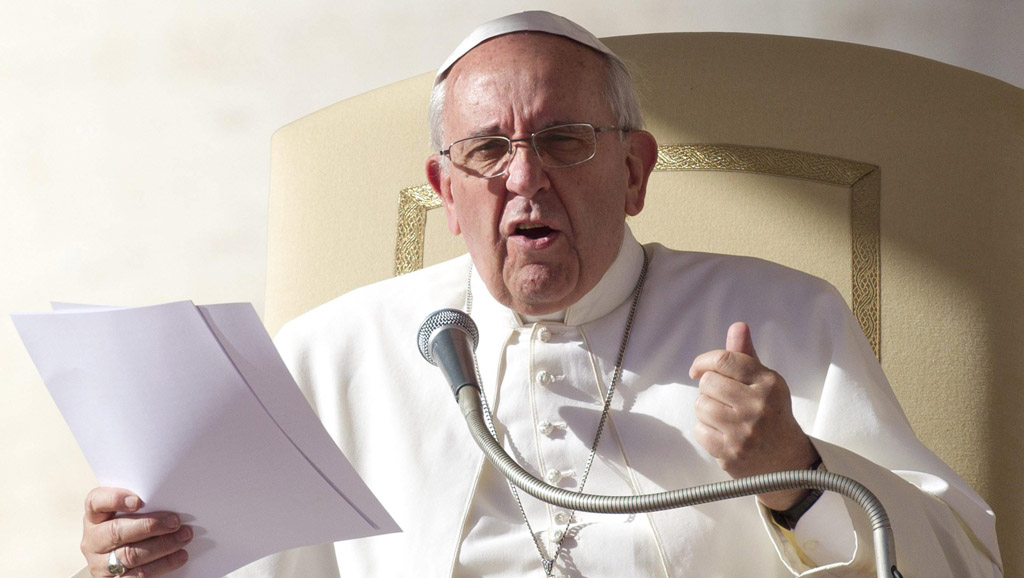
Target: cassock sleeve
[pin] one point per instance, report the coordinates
(942, 527)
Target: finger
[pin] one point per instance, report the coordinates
(106, 536)
(102, 503)
(163, 566)
(739, 339)
(734, 365)
(726, 440)
(716, 414)
(159, 567)
(148, 551)
(709, 438)
(730, 392)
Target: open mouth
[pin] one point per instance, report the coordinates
(533, 231)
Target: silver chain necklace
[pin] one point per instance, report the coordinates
(549, 563)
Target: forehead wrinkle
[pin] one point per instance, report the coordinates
(487, 114)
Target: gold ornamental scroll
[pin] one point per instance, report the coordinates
(861, 179)
(413, 204)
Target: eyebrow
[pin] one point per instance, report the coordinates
(490, 130)
(493, 130)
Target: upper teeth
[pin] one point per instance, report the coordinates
(530, 226)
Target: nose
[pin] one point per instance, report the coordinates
(525, 175)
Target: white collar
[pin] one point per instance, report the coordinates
(611, 291)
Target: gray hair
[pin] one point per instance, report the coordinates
(619, 90)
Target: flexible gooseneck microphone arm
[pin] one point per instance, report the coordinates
(449, 336)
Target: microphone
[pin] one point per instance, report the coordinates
(447, 339)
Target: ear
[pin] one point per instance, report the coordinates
(641, 156)
(441, 182)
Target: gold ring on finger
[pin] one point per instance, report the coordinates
(114, 565)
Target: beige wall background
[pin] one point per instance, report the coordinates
(134, 158)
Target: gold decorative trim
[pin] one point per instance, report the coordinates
(778, 162)
(413, 204)
(866, 263)
(862, 179)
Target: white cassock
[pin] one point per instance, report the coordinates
(395, 419)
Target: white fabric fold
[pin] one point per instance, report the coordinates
(395, 419)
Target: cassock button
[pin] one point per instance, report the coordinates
(544, 334)
(543, 377)
(561, 517)
(546, 427)
(553, 476)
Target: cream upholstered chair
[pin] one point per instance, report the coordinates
(897, 178)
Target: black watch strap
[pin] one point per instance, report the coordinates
(789, 517)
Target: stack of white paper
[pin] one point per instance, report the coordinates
(193, 409)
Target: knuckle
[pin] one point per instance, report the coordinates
(727, 448)
(737, 455)
(163, 565)
(700, 404)
(775, 382)
(721, 359)
(758, 408)
(708, 440)
(728, 456)
(741, 443)
(706, 381)
(700, 431)
(91, 501)
(749, 436)
(150, 525)
(772, 402)
(97, 565)
(114, 535)
(129, 556)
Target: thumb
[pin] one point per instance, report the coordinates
(739, 340)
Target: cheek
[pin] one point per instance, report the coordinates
(596, 213)
(478, 218)
(477, 215)
(471, 205)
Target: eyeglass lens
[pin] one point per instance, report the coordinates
(558, 146)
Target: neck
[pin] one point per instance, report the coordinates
(611, 290)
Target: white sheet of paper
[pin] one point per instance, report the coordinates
(193, 409)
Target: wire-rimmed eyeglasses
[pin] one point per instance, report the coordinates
(563, 145)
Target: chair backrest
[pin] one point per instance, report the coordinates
(897, 178)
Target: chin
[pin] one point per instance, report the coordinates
(542, 294)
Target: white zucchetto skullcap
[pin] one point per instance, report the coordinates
(533, 21)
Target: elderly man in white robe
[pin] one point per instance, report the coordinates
(588, 338)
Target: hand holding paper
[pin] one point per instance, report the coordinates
(192, 409)
(151, 543)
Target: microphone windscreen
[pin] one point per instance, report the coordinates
(442, 318)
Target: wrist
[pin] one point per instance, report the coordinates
(788, 517)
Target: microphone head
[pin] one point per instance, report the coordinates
(440, 319)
